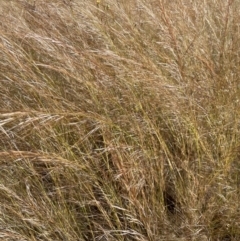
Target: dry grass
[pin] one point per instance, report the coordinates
(119, 120)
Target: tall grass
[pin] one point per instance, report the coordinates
(119, 120)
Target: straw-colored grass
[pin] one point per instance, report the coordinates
(119, 120)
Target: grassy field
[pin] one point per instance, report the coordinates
(119, 120)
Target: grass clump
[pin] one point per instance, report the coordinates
(119, 120)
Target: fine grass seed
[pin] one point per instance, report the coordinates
(119, 120)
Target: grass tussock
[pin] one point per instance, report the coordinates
(119, 120)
